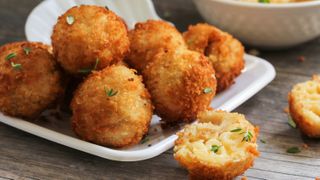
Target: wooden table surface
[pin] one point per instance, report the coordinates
(26, 156)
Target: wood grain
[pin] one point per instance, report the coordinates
(24, 156)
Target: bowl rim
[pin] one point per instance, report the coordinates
(270, 6)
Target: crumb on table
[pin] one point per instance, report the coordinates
(244, 178)
(286, 110)
(304, 145)
(254, 52)
(301, 59)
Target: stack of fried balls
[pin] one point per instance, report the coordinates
(125, 75)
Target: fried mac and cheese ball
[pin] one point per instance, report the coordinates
(304, 105)
(89, 38)
(148, 37)
(219, 146)
(181, 84)
(223, 51)
(30, 79)
(112, 108)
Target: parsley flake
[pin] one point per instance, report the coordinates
(84, 71)
(144, 140)
(207, 90)
(10, 56)
(70, 19)
(247, 136)
(110, 92)
(293, 150)
(16, 66)
(263, 141)
(167, 14)
(96, 64)
(215, 148)
(291, 122)
(27, 50)
(236, 130)
(89, 70)
(264, 1)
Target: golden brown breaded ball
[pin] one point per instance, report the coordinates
(304, 105)
(112, 108)
(223, 51)
(30, 79)
(181, 84)
(149, 37)
(220, 146)
(89, 38)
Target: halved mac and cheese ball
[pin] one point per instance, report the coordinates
(304, 105)
(220, 146)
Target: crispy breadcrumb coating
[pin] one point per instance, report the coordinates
(223, 51)
(30, 79)
(304, 106)
(89, 38)
(148, 37)
(217, 146)
(181, 84)
(112, 108)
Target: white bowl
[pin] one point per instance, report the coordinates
(264, 25)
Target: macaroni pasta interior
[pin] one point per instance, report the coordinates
(196, 147)
(304, 104)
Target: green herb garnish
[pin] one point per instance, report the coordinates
(166, 14)
(291, 122)
(264, 1)
(207, 90)
(144, 140)
(293, 150)
(70, 19)
(96, 64)
(10, 56)
(215, 148)
(236, 130)
(27, 50)
(89, 70)
(263, 141)
(16, 66)
(110, 92)
(84, 71)
(247, 136)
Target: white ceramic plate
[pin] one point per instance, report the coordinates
(256, 75)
